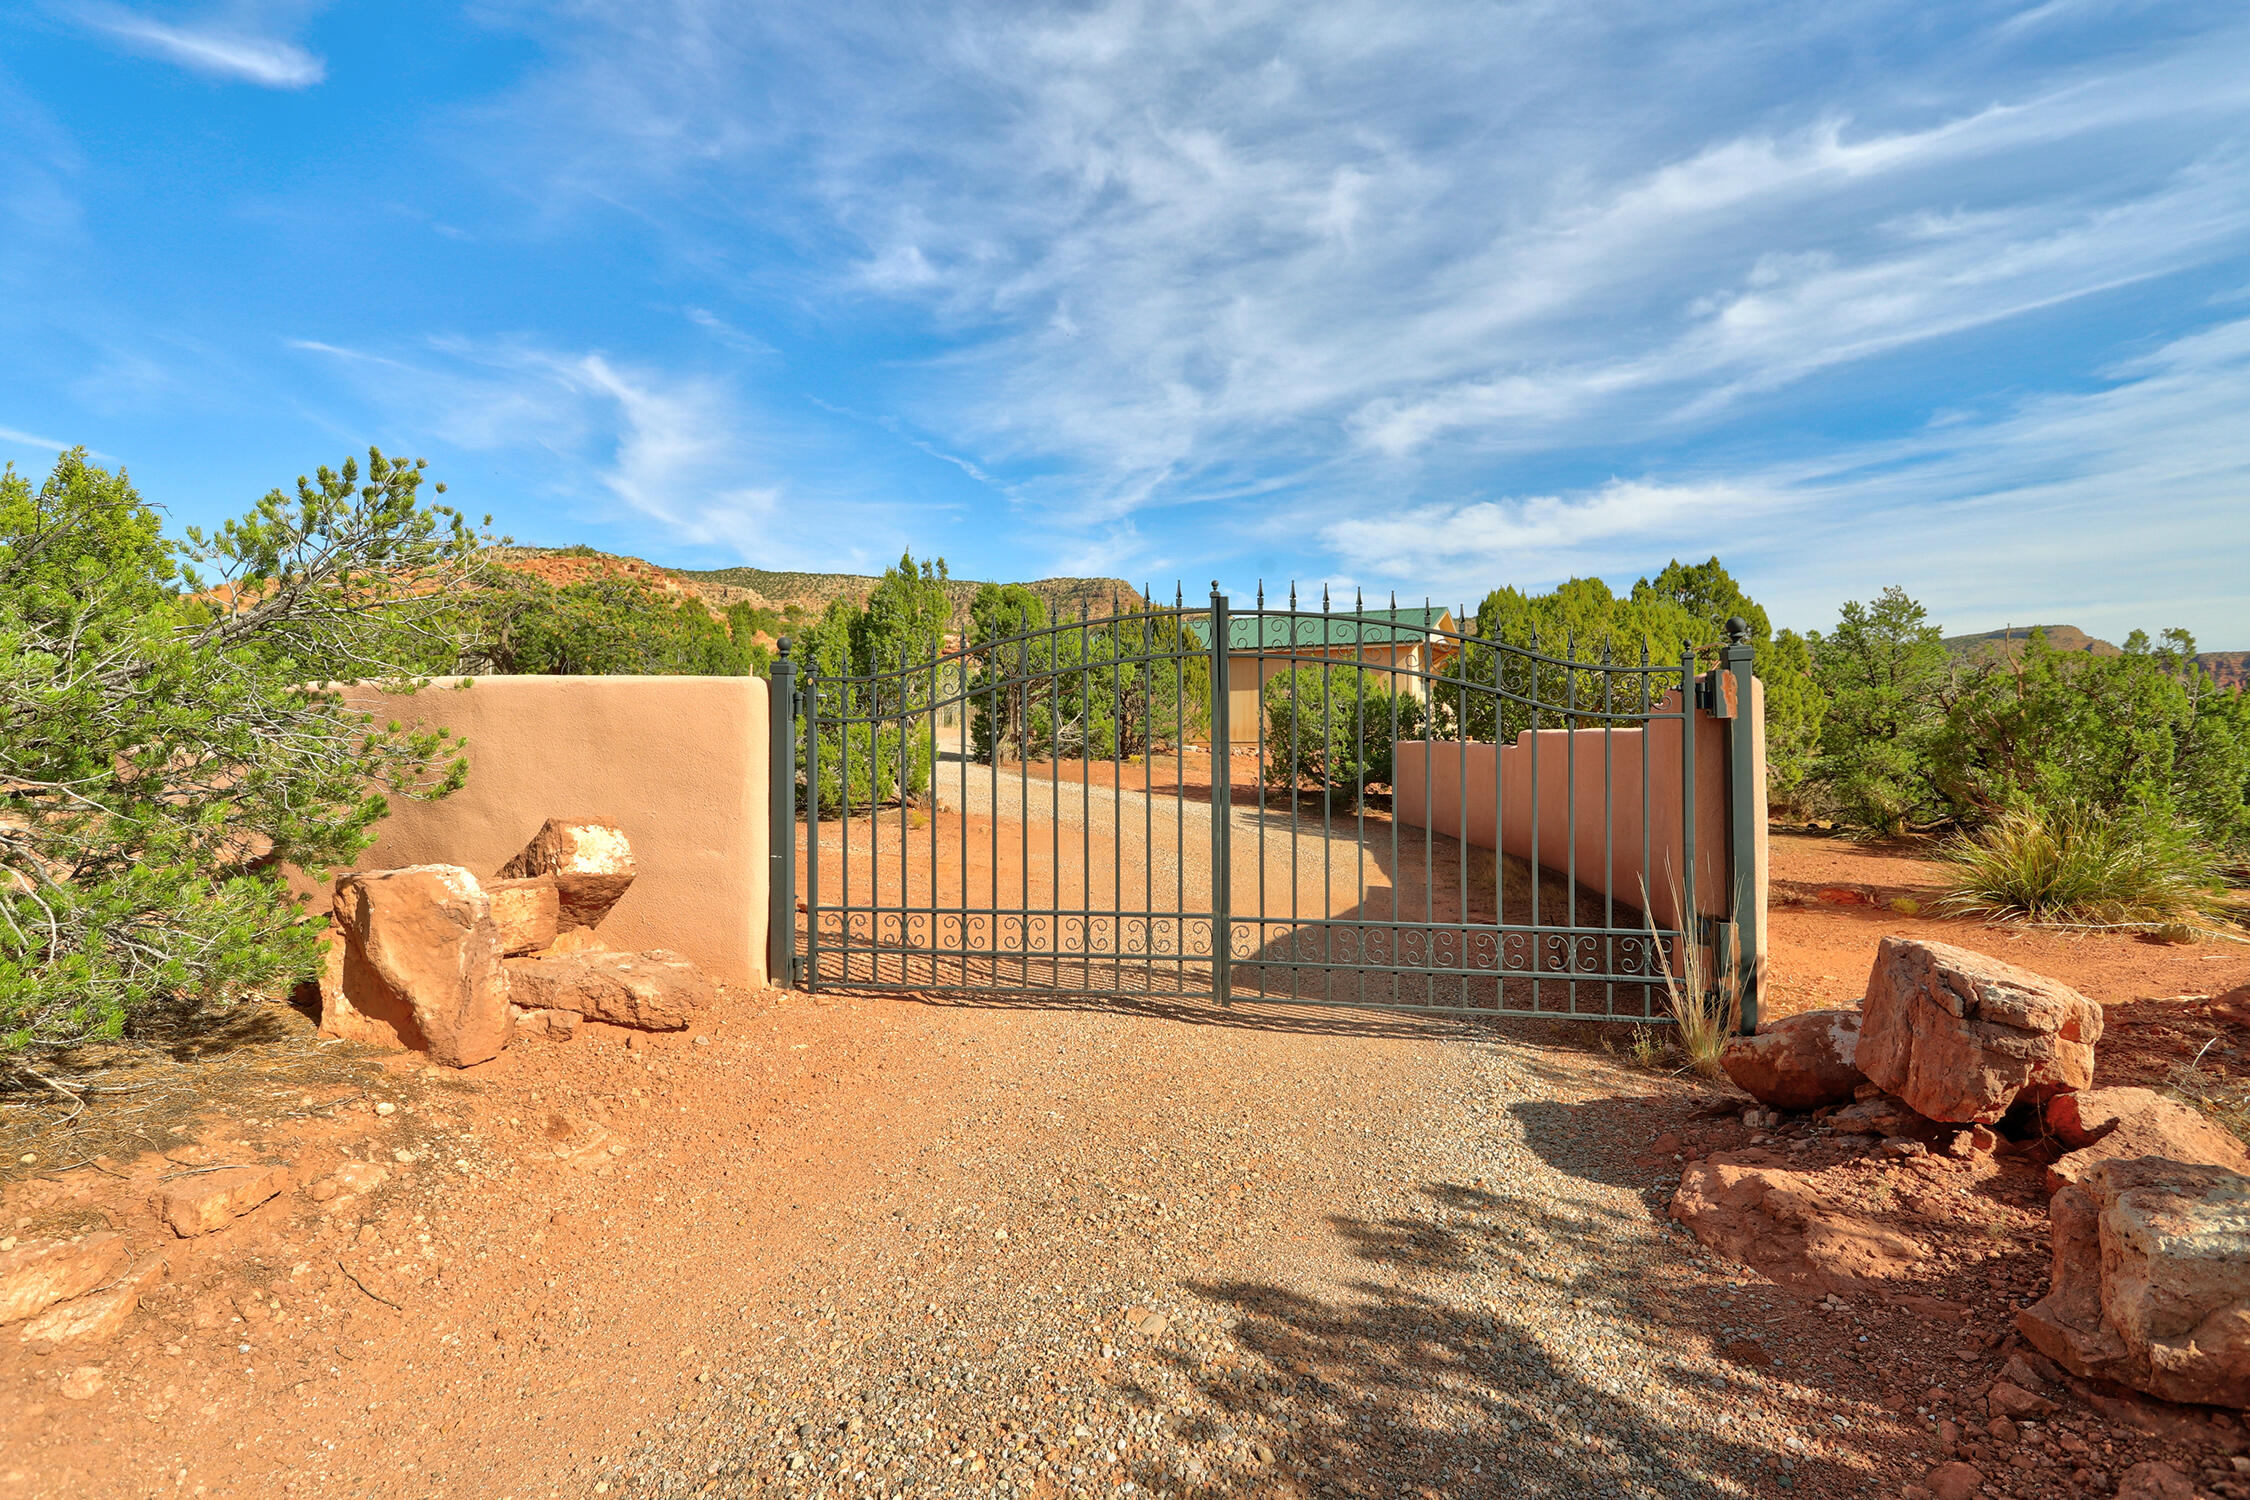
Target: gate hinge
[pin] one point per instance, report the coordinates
(1714, 693)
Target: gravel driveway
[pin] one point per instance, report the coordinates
(1179, 1252)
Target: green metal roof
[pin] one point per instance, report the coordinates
(1299, 632)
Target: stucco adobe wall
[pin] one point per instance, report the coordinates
(679, 763)
(1499, 807)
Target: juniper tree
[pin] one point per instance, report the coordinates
(173, 736)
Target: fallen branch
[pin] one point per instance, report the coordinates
(363, 1286)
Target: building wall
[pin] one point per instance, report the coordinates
(1502, 809)
(1387, 668)
(680, 763)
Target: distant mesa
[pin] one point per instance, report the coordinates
(2228, 668)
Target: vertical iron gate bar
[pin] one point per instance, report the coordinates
(1222, 804)
(1648, 840)
(937, 868)
(781, 850)
(811, 696)
(1297, 799)
(1359, 772)
(871, 716)
(1023, 811)
(1742, 809)
(1117, 796)
(1570, 818)
(1428, 696)
(1327, 803)
(1259, 945)
(1461, 780)
(1397, 875)
(1689, 916)
(1499, 819)
(1537, 916)
(1609, 830)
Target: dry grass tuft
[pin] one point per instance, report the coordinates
(1704, 995)
(2226, 1100)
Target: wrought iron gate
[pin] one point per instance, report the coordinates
(1375, 808)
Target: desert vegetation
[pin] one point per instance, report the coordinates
(171, 736)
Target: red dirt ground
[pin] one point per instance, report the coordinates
(500, 1319)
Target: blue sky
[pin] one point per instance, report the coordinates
(1426, 296)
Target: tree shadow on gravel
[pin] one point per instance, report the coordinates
(1442, 1389)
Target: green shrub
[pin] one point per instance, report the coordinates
(1335, 728)
(870, 762)
(2078, 865)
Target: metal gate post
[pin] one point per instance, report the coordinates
(781, 853)
(1743, 771)
(1222, 807)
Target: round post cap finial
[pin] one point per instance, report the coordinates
(782, 645)
(1738, 631)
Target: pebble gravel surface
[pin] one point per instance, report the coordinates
(1190, 1252)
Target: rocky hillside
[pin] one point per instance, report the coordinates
(813, 592)
(2010, 641)
(2229, 668)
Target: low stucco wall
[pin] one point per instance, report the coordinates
(679, 763)
(1499, 807)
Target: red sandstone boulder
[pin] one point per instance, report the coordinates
(591, 865)
(422, 940)
(1798, 1062)
(1960, 1036)
(97, 1316)
(548, 1025)
(527, 912)
(579, 940)
(653, 991)
(2156, 1480)
(211, 1201)
(1881, 1115)
(2151, 1281)
(2119, 1124)
(1790, 1226)
(37, 1274)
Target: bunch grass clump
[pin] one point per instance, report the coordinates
(1702, 989)
(2073, 866)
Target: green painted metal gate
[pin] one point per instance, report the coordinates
(1373, 808)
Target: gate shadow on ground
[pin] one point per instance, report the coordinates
(1264, 1014)
(1452, 1386)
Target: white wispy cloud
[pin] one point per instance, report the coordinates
(1542, 535)
(19, 439)
(227, 47)
(606, 440)
(2118, 508)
